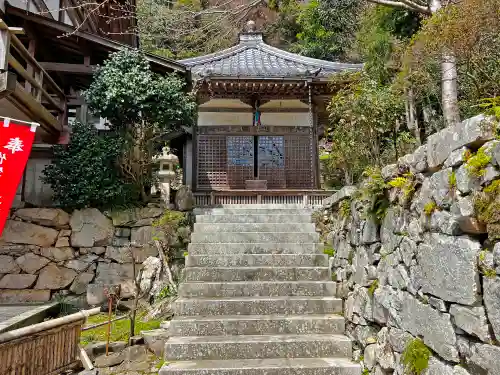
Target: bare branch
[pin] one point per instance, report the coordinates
(404, 4)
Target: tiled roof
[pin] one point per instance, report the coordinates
(253, 58)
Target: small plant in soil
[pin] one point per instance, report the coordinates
(429, 208)
(373, 287)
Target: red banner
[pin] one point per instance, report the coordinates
(16, 140)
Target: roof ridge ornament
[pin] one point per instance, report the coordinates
(250, 27)
(250, 34)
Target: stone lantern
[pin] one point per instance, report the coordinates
(166, 173)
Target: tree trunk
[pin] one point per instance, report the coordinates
(348, 176)
(411, 116)
(449, 90)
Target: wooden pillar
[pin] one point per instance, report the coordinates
(195, 155)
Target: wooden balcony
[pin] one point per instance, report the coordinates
(26, 89)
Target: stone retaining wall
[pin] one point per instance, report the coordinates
(428, 268)
(44, 251)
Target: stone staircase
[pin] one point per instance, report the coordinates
(257, 298)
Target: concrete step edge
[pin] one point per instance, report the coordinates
(256, 338)
(257, 317)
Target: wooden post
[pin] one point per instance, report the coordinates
(4, 46)
(38, 92)
(29, 68)
(108, 332)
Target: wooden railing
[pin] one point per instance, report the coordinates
(28, 84)
(46, 348)
(300, 197)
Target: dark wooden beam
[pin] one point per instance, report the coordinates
(8, 81)
(43, 9)
(68, 68)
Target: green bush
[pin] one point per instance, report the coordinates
(84, 173)
(477, 163)
(415, 357)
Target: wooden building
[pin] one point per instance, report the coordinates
(48, 52)
(260, 114)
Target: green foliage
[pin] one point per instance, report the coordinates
(383, 32)
(326, 28)
(430, 207)
(126, 92)
(477, 163)
(367, 117)
(483, 267)
(415, 357)
(470, 29)
(345, 208)
(85, 173)
(330, 251)
(365, 372)
(166, 292)
(185, 253)
(487, 208)
(489, 273)
(142, 106)
(493, 188)
(373, 190)
(452, 180)
(405, 183)
(373, 287)
(491, 106)
(170, 218)
(169, 222)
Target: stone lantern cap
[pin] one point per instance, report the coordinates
(167, 157)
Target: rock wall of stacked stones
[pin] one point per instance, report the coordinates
(46, 252)
(429, 269)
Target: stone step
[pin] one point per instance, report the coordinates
(256, 325)
(255, 227)
(257, 288)
(258, 260)
(230, 274)
(254, 210)
(275, 366)
(254, 237)
(254, 218)
(254, 248)
(257, 347)
(290, 305)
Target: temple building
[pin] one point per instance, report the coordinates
(261, 110)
